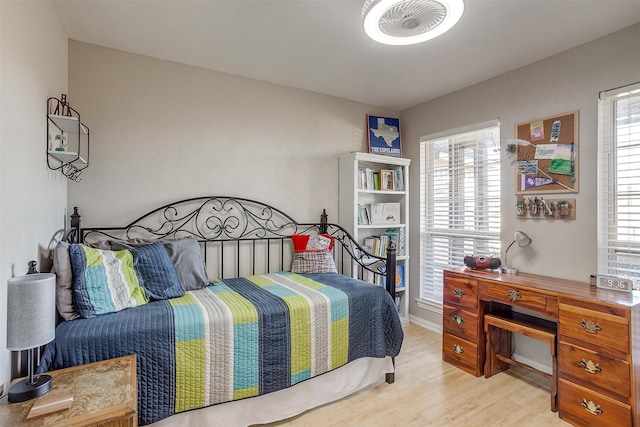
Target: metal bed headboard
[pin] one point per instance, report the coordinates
(242, 237)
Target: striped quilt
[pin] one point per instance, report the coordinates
(239, 338)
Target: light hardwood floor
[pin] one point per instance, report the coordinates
(430, 392)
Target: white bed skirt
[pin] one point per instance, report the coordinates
(289, 402)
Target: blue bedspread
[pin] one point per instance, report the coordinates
(254, 335)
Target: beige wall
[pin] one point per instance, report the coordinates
(565, 82)
(162, 131)
(33, 59)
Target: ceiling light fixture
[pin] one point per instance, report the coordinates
(403, 22)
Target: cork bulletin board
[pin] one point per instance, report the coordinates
(547, 160)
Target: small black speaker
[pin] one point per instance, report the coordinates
(494, 263)
(470, 261)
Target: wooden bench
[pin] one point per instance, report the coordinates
(498, 330)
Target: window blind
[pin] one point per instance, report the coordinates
(459, 201)
(619, 182)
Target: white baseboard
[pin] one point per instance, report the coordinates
(435, 327)
(533, 363)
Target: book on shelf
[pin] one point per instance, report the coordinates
(401, 241)
(371, 244)
(381, 179)
(386, 180)
(378, 245)
(364, 217)
(400, 277)
(385, 213)
(393, 236)
(380, 279)
(398, 179)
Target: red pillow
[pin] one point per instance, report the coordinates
(308, 243)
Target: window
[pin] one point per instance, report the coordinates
(619, 182)
(459, 201)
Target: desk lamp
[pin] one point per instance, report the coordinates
(31, 323)
(521, 238)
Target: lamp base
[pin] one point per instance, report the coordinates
(23, 390)
(508, 270)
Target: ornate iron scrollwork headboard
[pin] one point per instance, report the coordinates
(240, 237)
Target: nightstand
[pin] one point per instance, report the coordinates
(105, 394)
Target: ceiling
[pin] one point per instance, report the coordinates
(319, 45)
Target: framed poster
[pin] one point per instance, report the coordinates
(383, 135)
(547, 155)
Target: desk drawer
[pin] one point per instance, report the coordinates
(460, 291)
(519, 297)
(461, 353)
(605, 331)
(594, 370)
(582, 406)
(460, 322)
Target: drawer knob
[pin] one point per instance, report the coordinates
(590, 327)
(590, 366)
(514, 295)
(591, 407)
(458, 348)
(458, 292)
(459, 320)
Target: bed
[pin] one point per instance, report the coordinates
(237, 314)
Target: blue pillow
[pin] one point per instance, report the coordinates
(103, 281)
(156, 272)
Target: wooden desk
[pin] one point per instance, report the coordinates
(598, 359)
(105, 394)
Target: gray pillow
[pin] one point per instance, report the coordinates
(189, 263)
(185, 254)
(64, 282)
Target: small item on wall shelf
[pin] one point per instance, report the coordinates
(383, 135)
(62, 107)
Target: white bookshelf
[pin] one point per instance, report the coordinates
(352, 196)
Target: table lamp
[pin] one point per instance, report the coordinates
(521, 238)
(31, 323)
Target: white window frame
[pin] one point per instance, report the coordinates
(444, 245)
(619, 182)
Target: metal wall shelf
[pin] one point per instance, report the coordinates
(67, 139)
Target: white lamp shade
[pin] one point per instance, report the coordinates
(522, 239)
(31, 311)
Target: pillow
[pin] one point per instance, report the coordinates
(103, 281)
(156, 272)
(185, 254)
(312, 254)
(64, 282)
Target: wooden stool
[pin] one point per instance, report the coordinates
(498, 329)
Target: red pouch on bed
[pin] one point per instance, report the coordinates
(306, 242)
